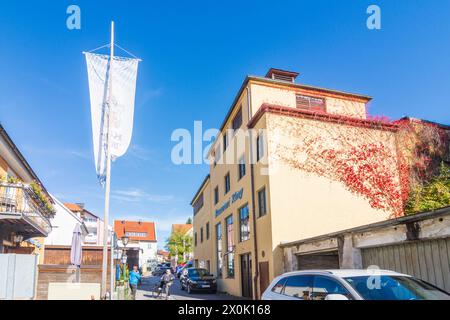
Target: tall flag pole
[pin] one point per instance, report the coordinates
(112, 89)
(108, 169)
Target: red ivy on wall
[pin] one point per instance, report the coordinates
(375, 164)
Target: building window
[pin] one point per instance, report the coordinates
(259, 147)
(195, 239)
(217, 155)
(225, 141)
(207, 231)
(237, 120)
(216, 195)
(201, 235)
(227, 183)
(244, 223)
(219, 249)
(198, 204)
(230, 247)
(310, 103)
(136, 234)
(262, 202)
(241, 167)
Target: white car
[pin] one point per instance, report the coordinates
(351, 285)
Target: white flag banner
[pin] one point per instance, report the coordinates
(117, 94)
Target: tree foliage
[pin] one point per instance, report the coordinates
(431, 195)
(179, 244)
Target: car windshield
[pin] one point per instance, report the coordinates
(384, 287)
(198, 272)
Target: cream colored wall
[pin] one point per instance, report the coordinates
(283, 221)
(346, 108)
(273, 95)
(285, 96)
(305, 205)
(218, 172)
(203, 250)
(264, 223)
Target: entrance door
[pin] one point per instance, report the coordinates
(246, 275)
(263, 276)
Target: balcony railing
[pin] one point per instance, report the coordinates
(20, 202)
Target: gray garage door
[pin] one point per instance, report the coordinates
(428, 260)
(323, 260)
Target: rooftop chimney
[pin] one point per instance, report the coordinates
(282, 75)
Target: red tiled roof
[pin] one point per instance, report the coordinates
(163, 253)
(148, 228)
(182, 228)
(73, 207)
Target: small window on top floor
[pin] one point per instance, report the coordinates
(310, 103)
(217, 155)
(198, 204)
(237, 120)
(225, 141)
(260, 147)
(207, 231)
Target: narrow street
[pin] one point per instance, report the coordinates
(144, 292)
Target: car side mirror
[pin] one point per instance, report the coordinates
(334, 296)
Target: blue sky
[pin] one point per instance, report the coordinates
(195, 56)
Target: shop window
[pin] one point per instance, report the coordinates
(219, 249)
(230, 247)
(244, 223)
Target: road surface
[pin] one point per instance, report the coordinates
(144, 292)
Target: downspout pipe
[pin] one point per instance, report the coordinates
(252, 179)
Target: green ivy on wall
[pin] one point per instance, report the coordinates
(432, 195)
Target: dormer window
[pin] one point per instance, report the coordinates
(282, 75)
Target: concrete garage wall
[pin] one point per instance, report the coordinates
(418, 245)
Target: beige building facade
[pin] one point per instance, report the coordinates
(274, 177)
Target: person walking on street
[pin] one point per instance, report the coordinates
(135, 276)
(167, 279)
